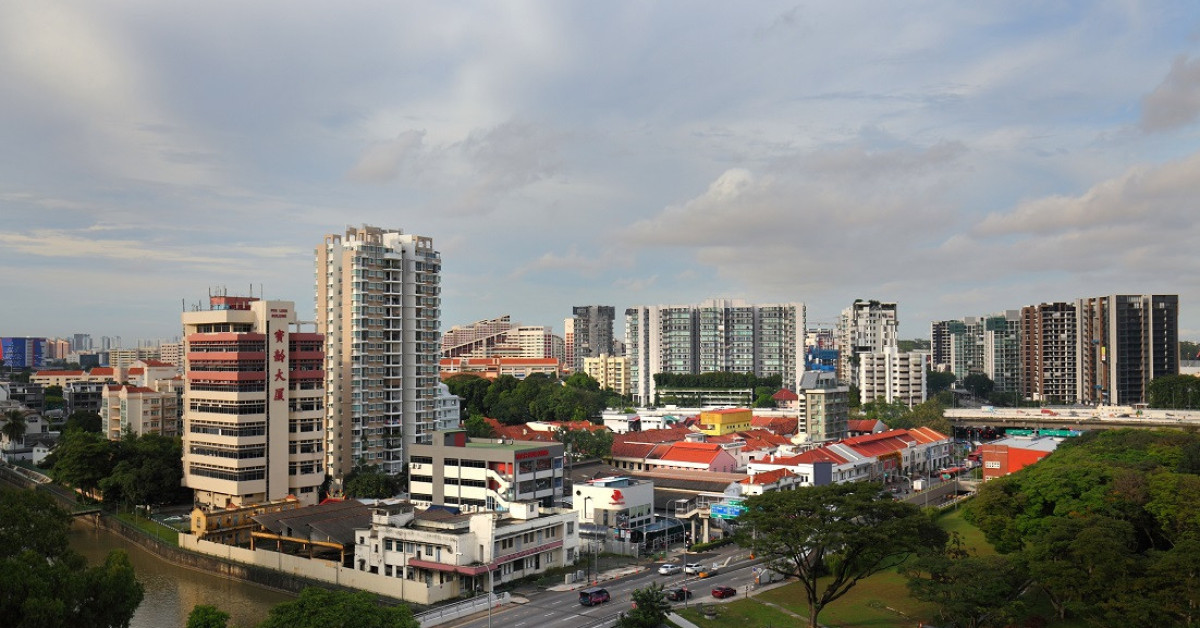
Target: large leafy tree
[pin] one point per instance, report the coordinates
(205, 616)
(970, 591)
(45, 583)
(371, 482)
(831, 537)
(650, 608)
(82, 460)
(321, 608)
(1077, 560)
(147, 470)
(85, 421)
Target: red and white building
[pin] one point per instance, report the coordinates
(1009, 455)
(254, 404)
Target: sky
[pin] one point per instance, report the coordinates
(960, 158)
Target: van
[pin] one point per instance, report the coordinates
(593, 596)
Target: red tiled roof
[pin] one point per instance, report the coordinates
(136, 370)
(813, 455)
(102, 370)
(158, 363)
(667, 435)
(632, 450)
(768, 477)
(785, 395)
(861, 425)
(780, 425)
(577, 425)
(692, 452)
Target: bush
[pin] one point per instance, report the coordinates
(700, 547)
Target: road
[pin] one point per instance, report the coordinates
(554, 609)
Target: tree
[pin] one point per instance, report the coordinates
(880, 410)
(371, 482)
(830, 537)
(205, 616)
(83, 420)
(44, 582)
(764, 397)
(82, 460)
(979, 384)
(1078, 561)
(320, 608)
(582, 381)
(53, 396)
(970, 591)
(14, 428)
(650, 608)
(146, 470)
(937, 381)
(477, 427)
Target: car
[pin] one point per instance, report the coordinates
(708, 572)
(723, 592)
(678, 595)
(692, 569)
(669, 569)
(593, 596)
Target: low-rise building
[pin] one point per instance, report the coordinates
(485, 474)
(615, 502)
(725, 421)
(1009, 455)
(448, 554)
(491, 368)
(138, 410)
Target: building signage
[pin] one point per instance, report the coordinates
(537, 453)
(618, 498)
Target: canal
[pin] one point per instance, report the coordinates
(172, 591)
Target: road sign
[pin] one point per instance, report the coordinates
(725, 511)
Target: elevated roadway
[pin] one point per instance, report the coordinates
(1073, 418)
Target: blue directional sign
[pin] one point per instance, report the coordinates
(725, 511)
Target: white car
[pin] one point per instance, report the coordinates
(692, 569)
(669, 569)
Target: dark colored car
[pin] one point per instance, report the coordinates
(593, 596)
(678, 595)
(724, 592)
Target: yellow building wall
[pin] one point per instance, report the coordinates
(725, 422)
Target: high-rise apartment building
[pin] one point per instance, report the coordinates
(378, 306)
(1126, 341)
(253, 414)
(1050, 353)
(988, 345)
(864, 327)
(892, 376)
(24, 353)
(939, 345)
(717, 335)
(611, 371)
(588, 333)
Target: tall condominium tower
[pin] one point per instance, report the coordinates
(864, 327)
(377, 302)
(1125, 341)
(988, 345)
(717, 335)
(588, 333)
(1050, 353)
(253, 404)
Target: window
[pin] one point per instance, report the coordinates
(992, 464)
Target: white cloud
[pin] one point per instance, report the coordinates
(1176, 101)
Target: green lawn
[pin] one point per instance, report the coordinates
(881, 601)
(152, 528)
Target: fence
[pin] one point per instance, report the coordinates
(466, 608)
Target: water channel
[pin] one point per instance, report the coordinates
(172, 591)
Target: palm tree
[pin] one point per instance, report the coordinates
(14, 427)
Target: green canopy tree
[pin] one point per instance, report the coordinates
(321, 608)
(477, 427)
(831, 537)
(82, 460)
(1078, 560)
(205, 616)
(650, 608)
(45, 583)
(371, 482)
(969, 590)
(85, 421)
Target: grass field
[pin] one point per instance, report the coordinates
(881, 601)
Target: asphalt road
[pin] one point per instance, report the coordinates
(554, 609)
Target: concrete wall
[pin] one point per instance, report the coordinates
(413, 591)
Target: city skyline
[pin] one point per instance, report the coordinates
(958, 160)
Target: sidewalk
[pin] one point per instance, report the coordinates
(611, 574)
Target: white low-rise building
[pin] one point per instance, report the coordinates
(614, 502)
(453, 554)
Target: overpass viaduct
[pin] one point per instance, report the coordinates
(1073, 418)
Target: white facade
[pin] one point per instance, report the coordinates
(461, 554)
(864, 327)
(614, 502)
(378, 305)
(449, 414)
(253, 413)
(892, 376)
